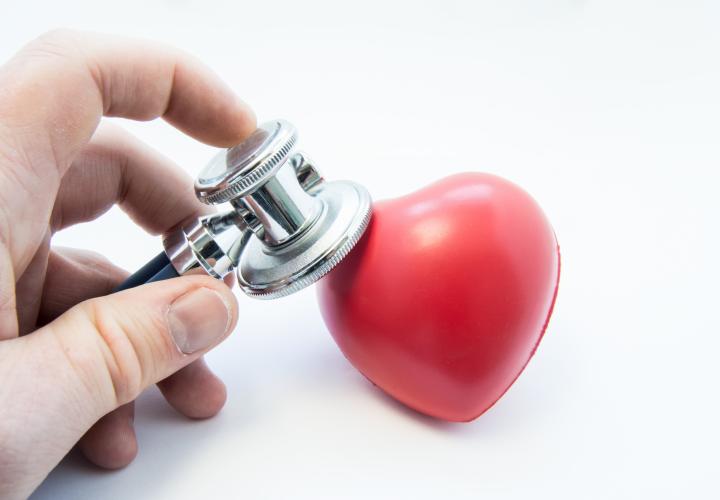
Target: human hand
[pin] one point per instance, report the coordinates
(71, 365)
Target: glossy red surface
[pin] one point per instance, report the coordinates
(446, 297)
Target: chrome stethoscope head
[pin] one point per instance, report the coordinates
(286, 227)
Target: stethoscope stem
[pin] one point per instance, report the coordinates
(287, 226)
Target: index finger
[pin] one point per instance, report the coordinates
(61, 84)
(53, 94)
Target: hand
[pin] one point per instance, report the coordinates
(70, 364)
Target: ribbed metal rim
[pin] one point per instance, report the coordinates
(239, 186)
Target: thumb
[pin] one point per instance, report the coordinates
(118, 345)
(96, 357)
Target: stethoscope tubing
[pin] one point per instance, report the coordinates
(158, 269)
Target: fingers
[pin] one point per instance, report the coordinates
(29, 290)
(116, 167)
(77, 275)
(74, 276)
(8, 311)
(73, 78)
(111, 443)
(98, 356)
(52, 95)
(195, 391)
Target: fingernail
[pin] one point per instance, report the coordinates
(198, 320)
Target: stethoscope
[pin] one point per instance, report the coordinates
(286, 226)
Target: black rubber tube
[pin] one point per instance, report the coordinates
(157, 269)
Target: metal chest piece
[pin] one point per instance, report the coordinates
(296, 226)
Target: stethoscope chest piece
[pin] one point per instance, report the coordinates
(295, 225)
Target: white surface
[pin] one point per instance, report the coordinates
(606, 111)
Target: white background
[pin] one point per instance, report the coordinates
(606, 111)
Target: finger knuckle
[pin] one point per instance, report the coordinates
(121, 353)
(59, 42)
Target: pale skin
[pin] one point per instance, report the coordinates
(73, 356)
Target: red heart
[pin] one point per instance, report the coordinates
(447, 296)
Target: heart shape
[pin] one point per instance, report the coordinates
(445, 299)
